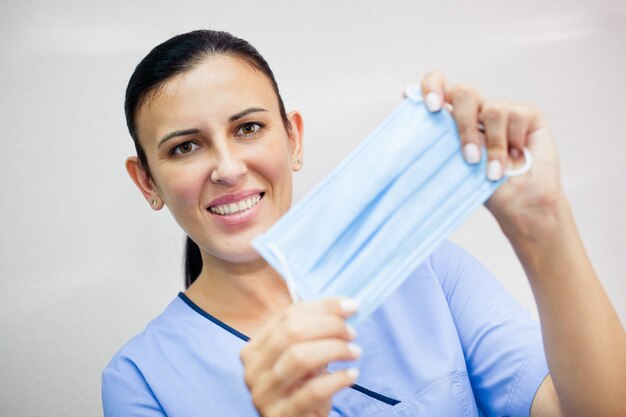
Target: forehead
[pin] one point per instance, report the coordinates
(215, 89)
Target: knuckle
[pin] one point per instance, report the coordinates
(467, 131)
(257, 399)
(296, 358)
(244, 354)
(247, 378)
(535, 112)
(284, 315)
(293, 329)
(317, 393)
(496, 152)
(462, 92)
(492, 113)
(497, 142)
(496, 145)
(518, 113)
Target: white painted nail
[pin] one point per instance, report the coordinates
(352, 373)
(494, 170)
(355, 349)
(471, 153)
(348, 305)
(433, 102)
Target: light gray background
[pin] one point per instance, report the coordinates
(84, 263)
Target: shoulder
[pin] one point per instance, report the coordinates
(124, 385)
(455, 268)
(179, 338)
(181, 361)
(449, 258)
(148, 340)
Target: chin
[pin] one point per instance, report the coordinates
(244, 254)
(243, 257)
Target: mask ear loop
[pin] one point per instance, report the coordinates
(286, 271)
(528, 163)
(516, 172)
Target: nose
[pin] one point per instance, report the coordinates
(229, 167)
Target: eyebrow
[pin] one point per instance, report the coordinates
(186, 132)
(246, 112)
(175, 134)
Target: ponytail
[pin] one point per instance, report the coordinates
(193, 262)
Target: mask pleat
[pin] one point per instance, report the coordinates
(378, 215)
(358, 240)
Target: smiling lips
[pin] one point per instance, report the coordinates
(237, 206)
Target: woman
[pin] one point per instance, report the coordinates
(215, 145)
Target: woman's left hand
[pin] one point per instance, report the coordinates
(505, 129)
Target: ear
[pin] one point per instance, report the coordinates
(295, 138)
(142, 180)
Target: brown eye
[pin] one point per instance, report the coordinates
(248, 129)
(184, 148)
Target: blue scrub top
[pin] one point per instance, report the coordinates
(449, 342)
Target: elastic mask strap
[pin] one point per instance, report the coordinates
(528, 163)
(287, 272)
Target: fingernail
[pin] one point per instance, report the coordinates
(494, 170)
(351, 331)
(471, 153)
(355, 349)
(348, 305)
(433, 102)
(353, 373)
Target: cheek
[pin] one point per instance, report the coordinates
(274, 163)
(183, 186)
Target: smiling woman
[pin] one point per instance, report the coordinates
(229, 122)
(213, 136)
(216, 146)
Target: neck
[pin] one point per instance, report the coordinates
(243, 295)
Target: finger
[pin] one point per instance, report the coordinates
(317, 393)
(519, 119)
(293, 326)
(494, 116)
(296, 329)
(339, 307)
(306, 359)
(467, 105)
(433, 90)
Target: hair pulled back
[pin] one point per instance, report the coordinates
(175, 56)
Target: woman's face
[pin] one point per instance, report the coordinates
(219, 155)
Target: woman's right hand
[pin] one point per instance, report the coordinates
(285, 363)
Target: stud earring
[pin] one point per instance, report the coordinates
(153, 202)
(299, 162)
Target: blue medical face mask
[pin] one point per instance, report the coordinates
(381, 212)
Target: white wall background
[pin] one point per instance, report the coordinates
(84, 263)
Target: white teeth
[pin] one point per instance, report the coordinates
(232, 208)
